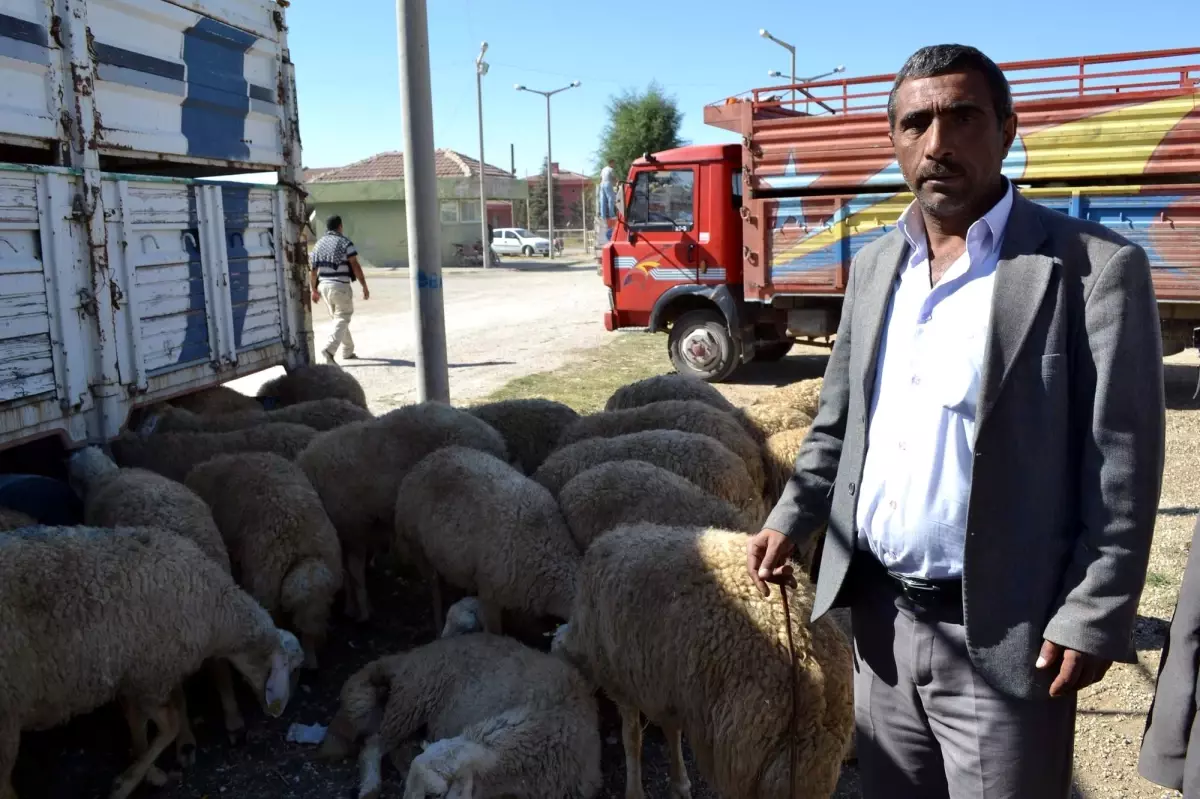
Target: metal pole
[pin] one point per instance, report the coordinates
(512, 159)
(549, 180)
(420, 191)
(793, 51)
(484, 239)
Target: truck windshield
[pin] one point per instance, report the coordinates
(663, 200)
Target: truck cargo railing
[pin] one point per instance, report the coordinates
(1060, 79)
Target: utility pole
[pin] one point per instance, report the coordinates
(420, 189)
(791, 49)
(512, 159)
(481, 69)
(549, 157)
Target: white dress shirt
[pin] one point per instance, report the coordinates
(912, 507)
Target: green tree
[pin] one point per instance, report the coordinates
(639, 122)
(537, 203)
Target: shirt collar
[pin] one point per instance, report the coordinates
(983, 237)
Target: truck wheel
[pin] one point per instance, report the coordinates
(527, 251)
(701, 346)
(772, 351)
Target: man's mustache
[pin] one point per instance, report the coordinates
(938, 170)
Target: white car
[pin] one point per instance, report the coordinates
(519, 241)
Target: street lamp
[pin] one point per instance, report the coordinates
(549, 161)
(481, 69)
(791, 49)
(774, 73)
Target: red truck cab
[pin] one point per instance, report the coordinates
(674, 259)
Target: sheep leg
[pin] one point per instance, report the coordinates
(370, 768)
(402, 756)
(10, 743)
(681, 786)
(356, 573)
(166, 719)
(631, 739)
(138, 737)
(492, 615)
(185, 742)
(439, 604)
(222, 675)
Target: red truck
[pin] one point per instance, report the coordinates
(740, 250)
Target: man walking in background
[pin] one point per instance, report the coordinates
(608, 198)
(334, 267)
(987, 457)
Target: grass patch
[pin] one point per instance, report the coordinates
(592, 376)
(1157, 580)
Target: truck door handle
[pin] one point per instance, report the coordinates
(691, 251)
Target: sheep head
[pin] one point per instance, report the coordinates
(86, 466)
(273, 672)
(464, 616)
(447, 769)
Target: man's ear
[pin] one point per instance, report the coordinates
(1010, 133)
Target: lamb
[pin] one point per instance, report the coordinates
(620, 492)
(667, 623)
(357, 468)
(115, 497)
(312, 382)
(662, 388)
(770, 419)
(14, 519)
(697, 458)
(686, 415)
(781, 451)
(173, 455)
(282, 545)
(803, 396)
(531, 427)
(320, 415)
(504, 720)
(478, 523)
(89, 614)
(216, 400)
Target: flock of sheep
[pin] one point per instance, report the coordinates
(219, 531)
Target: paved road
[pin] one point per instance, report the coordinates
(524, 317)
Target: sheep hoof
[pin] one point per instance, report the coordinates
(186, 754)
(157, 777)
(237, 737)
(681, 791)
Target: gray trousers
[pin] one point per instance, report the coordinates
(927, 726)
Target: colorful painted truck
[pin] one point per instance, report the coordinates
(127, 275)
(739, 250)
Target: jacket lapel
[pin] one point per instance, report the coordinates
(874, 300)
(1022, 277)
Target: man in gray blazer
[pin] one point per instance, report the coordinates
(987, 455)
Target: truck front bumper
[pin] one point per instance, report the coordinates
(610, 321)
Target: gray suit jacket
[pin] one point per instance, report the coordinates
(1068, 448)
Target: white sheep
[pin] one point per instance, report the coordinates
(175, 454)
(667, 623)
(91, 614)
(476, 522)
(504, 720)
(684, 415)
(283, 547)
(216, 400)
(531, 427)
(311, 382)
(357, 468)
(14, 519)
(114, 497)
(621, 492)
(697, 458)
(320, 415)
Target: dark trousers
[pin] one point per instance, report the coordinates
(927, 725)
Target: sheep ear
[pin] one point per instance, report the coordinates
(279, 685)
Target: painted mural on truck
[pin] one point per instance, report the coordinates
(812, 235)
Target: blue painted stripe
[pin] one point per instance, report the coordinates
(195, 334)
(236, 200)
(22, 30)
(139, 62)
(218, 98)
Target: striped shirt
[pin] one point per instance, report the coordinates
(331, 258)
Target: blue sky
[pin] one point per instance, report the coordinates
(345, 55)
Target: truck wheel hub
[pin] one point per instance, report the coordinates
(700, 349)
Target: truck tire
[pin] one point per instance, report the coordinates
(527, 251)
(701, 346)
(772, 351)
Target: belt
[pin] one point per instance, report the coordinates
(917, 590)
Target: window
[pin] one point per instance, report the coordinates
(663, 200)
(449, 211)
(469, 211)
(737, 189)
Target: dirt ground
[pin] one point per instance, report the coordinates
(528, 315)
(81, 759)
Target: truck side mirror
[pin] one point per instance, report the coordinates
(632, 236)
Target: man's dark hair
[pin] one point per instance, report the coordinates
(333, 223)
(944, 59)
